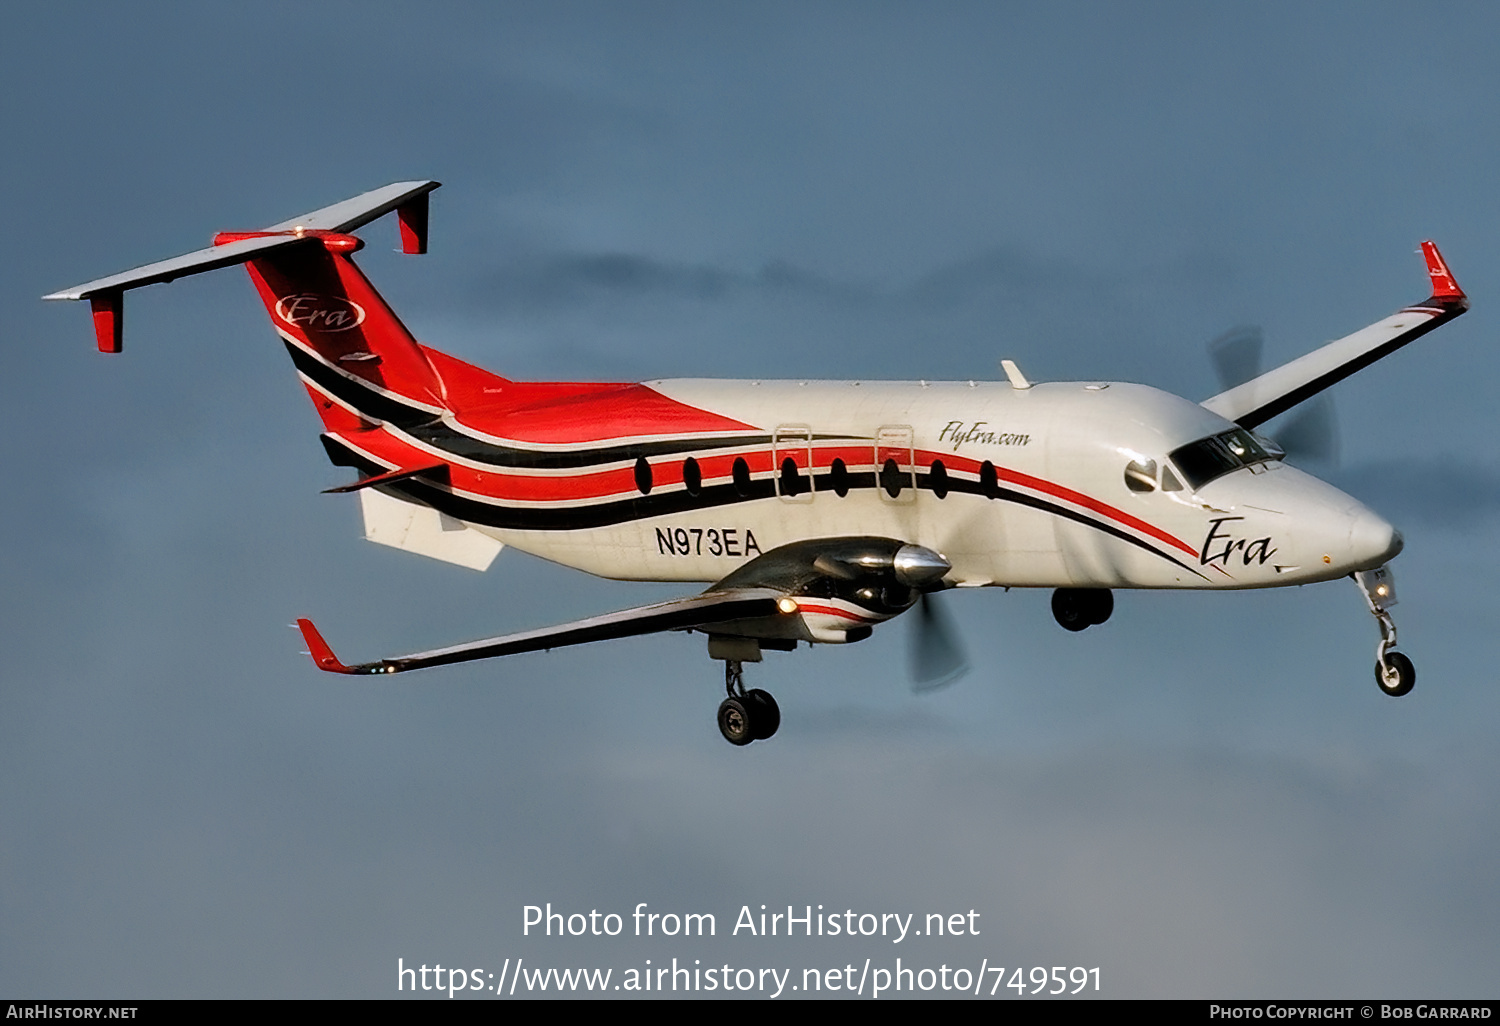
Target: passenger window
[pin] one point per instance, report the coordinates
(939, 479)
(838, 474)
(989, 480)
(1140, 475)
(791, 480)
(890, 478)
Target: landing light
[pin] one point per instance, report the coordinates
(786, 605)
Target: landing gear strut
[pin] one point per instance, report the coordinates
(746, 716)
(1078, 608)
(1393, 670)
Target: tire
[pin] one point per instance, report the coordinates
(1069, 612)
(767, 717)
(737, 721)
(1400, 679)
(1101, 605)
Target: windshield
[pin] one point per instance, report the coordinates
(1215, 456)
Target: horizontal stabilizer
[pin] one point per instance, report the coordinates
(409, 199)
(362, 209)
(436, 472)
(196, 262)
(1276, 391)
(680, 614)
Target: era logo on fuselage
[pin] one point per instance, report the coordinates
(1259, 550)
(320, 313)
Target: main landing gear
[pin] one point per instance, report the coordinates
(1394, 672)
(746, 716)
(1078, 608)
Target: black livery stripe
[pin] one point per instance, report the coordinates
(421, 425)
(552, 518)
(666, 503)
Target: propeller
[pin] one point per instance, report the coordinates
(937, 655)
(1309, 433)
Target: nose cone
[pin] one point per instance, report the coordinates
(1373, 541)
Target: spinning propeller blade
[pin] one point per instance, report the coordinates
(937, 656)
(1311, 433)
(1236, 355)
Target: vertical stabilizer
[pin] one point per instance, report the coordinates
(323, 304)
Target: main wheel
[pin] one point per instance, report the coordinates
(736, 721)
(767, 715)
(1070, 610)
(1101, 604)
(1397, 676)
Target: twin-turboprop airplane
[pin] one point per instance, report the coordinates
(819, 509)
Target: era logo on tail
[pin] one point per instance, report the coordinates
(323, 313)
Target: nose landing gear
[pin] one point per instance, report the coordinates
(1394, 672)
(746, 716)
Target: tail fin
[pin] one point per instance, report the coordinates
(360, 363)
(329, 314)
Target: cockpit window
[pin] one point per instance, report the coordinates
(1140, 475)
(1215, 456)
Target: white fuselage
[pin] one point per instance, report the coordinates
(1057, 512)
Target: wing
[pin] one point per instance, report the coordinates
(1276, 391)
(824, 590)
(681, 614)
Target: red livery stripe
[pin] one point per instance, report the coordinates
(1063, 492)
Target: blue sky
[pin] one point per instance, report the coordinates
(1207, 796)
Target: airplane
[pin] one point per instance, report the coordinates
(816, 511)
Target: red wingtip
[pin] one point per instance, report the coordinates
(1443, 285)
(322, 655)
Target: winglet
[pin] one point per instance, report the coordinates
(1443, 285)
(322, 655)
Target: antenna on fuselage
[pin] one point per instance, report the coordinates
(1017, 379)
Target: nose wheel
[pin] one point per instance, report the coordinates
(1396, 675)
(746, 716)
(1394, 672)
